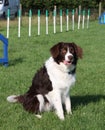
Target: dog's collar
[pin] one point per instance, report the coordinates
(71, 72)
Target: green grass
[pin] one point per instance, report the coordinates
(26, 55)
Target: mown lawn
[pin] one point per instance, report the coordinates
(27, 54)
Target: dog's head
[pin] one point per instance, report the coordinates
(67, 53)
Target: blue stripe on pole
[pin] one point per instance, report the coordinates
(60, 12)
(30, 13)
(46, 13)
(54, 12)
(73, 12)
(67, 11)
(19, 13)
(38, 12)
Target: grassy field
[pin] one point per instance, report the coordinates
(27, 54)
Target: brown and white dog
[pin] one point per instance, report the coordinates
(51, 84)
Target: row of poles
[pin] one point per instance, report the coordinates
(83, 17)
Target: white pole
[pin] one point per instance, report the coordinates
(79, 19)
(100, 7)
(30, 16)
(54, 20)
(60, 20)
(46, 22)
(73, 19)
(8, 19)
(88, 21)
(19, 22)
(38, 22)
(67, 19)
(88, 18)
(83, 19)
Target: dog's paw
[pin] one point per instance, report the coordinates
(69, 112)
(38, 116)
(60, 116)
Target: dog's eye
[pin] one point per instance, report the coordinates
(63, 51)
(71, 50)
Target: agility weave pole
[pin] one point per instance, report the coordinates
(46, 22)
(19, 22)
(67, 20)
(73, 19)
(8, 19)
(38, 22)
(88, 16)
(81, 18)
(61, 20)
(30, 17)
(54, 20)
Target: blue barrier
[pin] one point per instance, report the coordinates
(4, 60)
(102, 19)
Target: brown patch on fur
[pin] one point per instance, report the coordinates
(41, 84)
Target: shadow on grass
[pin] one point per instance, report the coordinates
(15, 61)
(85, 100)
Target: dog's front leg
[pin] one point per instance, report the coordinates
(58, 108)
(68, 104)
(56, 100)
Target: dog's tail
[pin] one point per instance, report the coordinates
(16, 98)
(12, 98)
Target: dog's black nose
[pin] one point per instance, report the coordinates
(70, 57)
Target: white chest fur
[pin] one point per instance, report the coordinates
(59, 76)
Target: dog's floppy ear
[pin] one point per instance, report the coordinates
(55, 50)
(79, 50)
